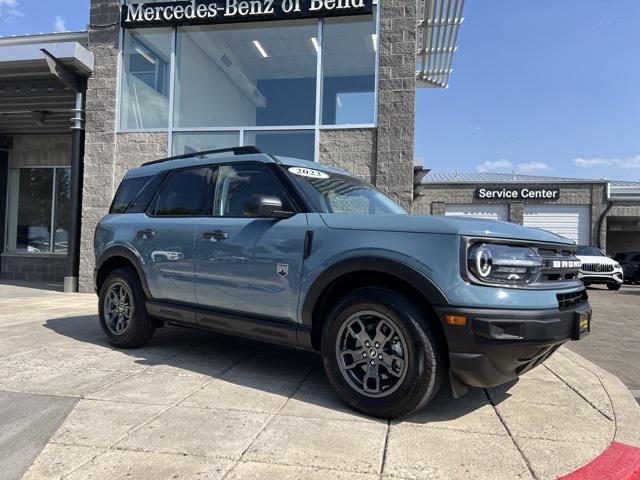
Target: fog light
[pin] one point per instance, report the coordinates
(456, 320)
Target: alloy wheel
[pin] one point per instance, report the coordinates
(372, 353)
(118, 308)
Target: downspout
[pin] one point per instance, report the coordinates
(72, 274)
(600, 220)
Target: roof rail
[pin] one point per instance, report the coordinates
(248, 150)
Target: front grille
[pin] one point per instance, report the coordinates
(570, 300)
(558, 265)
(596, 267)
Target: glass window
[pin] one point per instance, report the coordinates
(261, 74)
(235, 184)
(344, 194)
(184, 194)
(39, 214)
(127, 191)
(146, 59)
(292, 143)
(636, 258)
(349, 70)
(184, 143)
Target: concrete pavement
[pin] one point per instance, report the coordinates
(615, 337)
(195, 405)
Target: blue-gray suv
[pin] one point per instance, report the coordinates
(306, 255)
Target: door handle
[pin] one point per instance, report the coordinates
(216, 235)
(148, 233)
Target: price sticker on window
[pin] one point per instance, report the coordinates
(308, 172)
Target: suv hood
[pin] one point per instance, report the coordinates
(440, 224)
(596, 259)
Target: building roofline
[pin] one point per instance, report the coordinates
(81, 36)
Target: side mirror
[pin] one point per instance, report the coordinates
(265, 206)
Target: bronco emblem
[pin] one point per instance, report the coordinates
(283, 269)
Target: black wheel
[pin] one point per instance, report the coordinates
(123, 315)
(613, 286)
(380, 353)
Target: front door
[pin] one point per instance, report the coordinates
(247, 265)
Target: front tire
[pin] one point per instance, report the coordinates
(381, 354)
(122, 310)
(613, 286)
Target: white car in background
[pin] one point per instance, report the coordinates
(598, 269)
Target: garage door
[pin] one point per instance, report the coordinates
(571, 221)
(489, 212)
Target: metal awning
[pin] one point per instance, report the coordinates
(438, 28)
(32, 100)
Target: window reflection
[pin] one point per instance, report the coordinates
(293, 143)
(246, 74)
(348, 70)
(145, 79)
(39, 199)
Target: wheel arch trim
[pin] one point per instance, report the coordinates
(369, 263)
(128, 254)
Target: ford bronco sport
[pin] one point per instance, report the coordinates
(306, 255)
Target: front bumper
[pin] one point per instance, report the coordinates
(601, 278)
(498, 345)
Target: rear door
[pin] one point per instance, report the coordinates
(246, 265)
(165, 235)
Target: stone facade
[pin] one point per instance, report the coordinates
(350, 149)
(396, 100)
(433, 198)
(33, 268)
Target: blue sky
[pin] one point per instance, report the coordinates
(540, 86)
(547, 87)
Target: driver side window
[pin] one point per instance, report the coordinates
(236, 183)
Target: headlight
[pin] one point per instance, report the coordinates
(497, 264)
(617, 265)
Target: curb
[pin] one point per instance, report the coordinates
(626, 410)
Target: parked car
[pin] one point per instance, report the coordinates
(306, 255)
(630, 262)
(597, 268)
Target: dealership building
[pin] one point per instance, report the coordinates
(333, 81)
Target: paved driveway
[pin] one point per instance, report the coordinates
(194, 405)
(614, 343)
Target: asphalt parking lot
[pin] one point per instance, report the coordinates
(614, 343)
(195, 405)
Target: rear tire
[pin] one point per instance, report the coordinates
(381, 354)
(122, 310)
(613, 286)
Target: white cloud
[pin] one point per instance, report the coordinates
(631, 162)
(9, 10)
(494, 166)
(60, 25)
(532, 167)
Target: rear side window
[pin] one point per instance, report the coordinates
(636, 258)
(184, 194)
(129, 188)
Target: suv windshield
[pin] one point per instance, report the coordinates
(587, 251)
(335, 193)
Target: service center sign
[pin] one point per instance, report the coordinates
(201, 12)
(517, 193)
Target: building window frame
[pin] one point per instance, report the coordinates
(318, 127)
(53, 217)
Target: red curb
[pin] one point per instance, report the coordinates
(617, 462)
